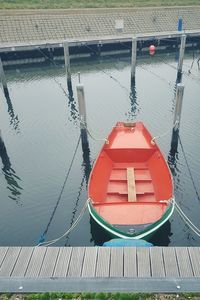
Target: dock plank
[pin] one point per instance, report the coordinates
(9, 261)
(103, 262)
(22, 262)
(194, 253)
(156, 269)
(3, 251)
(63, 260)
(35, 263)
(130, 262)
(143, 260)
(89, 263)
(185, 267)
(170, 262)
(157, 263)
(116, 262)
(49, 262)
(76, 262)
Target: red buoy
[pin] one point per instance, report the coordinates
(152, 50)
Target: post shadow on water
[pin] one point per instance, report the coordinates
(14, 121)
(10, 175)
(134, 106)
(72, 105)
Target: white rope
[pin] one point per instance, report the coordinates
(48, 243)
(164, 134)
(187, 221)
(92, 135)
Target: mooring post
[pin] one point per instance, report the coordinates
(181, 55)
(177, 116)
(133, 58)
(67, 65)
(82, 114)
(180, 24)
(3, 79)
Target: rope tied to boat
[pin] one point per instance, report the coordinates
(92, 135)
(187, 221)
(76, 222)
(165, 133)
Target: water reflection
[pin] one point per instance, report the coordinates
(99, 235)
(172, 161)
(14, 121)
(134, 109)
(86, 156)
(75, 209)
(10, 175)
(162, 235)
(72, 106)
(86, 168)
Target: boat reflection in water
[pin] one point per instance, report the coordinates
(99, 235)
(160, 238)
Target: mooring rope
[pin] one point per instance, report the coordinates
(164, 134)
(76, 222)
(42, 237)
(187, 164)
(92, 135)
(187, 221)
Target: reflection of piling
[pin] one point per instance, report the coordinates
(177, 116)
(3, 154)
(82, 114)
(181, 55)
(86, 160)
(67, 65)
(133, 98)
(3, 79)
(83, 126)
(133, 58)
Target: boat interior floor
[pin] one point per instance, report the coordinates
(118, 186)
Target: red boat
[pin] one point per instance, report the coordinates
(130, 186)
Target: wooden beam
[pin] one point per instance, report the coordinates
(131, 185)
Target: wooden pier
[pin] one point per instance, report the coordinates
(99, 269)
(103, 40)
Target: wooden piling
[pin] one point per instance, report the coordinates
(181, 55)
(177, 117)
(178, 108)
(82, 114)
(67, 65)
(133, 58)
(81, 105)
(3, 79)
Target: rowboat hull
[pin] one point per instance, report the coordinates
(145, 234)
(130, 186)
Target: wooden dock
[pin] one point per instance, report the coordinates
(103, 40)
(95, 269)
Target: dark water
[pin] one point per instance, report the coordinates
(40, 131)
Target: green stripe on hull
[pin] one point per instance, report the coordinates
(143, 234)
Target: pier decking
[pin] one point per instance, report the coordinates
(78, 269)
(22, 30)
(39, 25)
